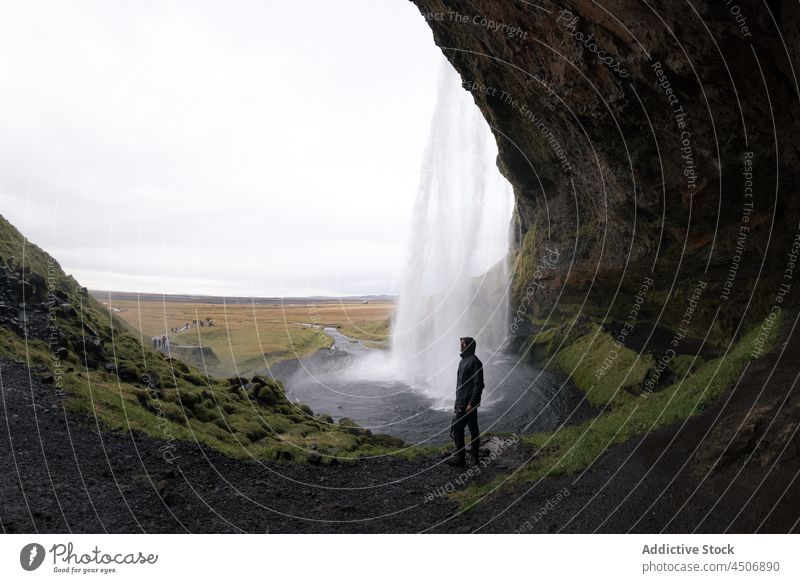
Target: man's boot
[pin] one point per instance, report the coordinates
(457, 459)
(475, 452)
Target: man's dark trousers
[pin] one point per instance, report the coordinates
(464, 419)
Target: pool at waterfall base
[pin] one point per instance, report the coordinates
(360, 383)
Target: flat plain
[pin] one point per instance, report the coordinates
(248, 336)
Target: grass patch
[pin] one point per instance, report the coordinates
(245, 350)
(592, 358)
(602, 368)
(375, 332)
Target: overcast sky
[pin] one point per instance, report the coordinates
(264, 148)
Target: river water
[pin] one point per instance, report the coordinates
(352, 380)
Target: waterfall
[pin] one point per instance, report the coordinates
(455, 282)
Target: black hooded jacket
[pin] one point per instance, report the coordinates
(470, 378)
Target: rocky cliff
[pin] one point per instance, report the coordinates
(644, 141)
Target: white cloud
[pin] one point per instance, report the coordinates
(243, 148)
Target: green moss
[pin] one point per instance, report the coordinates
(525, 268)
(310, 341)
(334, 442)
(277, 424)
(544, 343)
(376, 332)
(602, 368)
(685, 364)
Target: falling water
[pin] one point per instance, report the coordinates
(455, 284)
(456, 278)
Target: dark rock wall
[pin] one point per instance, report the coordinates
(625, 129)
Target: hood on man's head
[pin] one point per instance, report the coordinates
(471, 345)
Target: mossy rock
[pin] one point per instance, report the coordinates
(178, 365)
(194, 379)
(256, 434)
(151, 378)
(261, 380)
(352, 427)
(685, 365)
(225, 425)
(172, 412)
(189, 399)
(303, 430)
(267, 394)
(334, 441)
(142, 397)
(296, 417)
(206, 415)
(283, 455)
(128, 372)
(382, 439)
(276, 424)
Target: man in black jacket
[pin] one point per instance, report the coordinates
(468, 398)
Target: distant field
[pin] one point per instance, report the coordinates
(248, 337)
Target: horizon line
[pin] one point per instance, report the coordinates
(193, 296)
